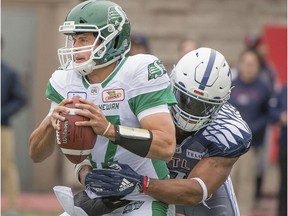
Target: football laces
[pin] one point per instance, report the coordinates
(57, 133)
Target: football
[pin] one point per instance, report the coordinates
(75, 142)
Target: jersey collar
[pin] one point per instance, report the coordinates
(109, 78)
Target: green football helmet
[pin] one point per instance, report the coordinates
(109, 24)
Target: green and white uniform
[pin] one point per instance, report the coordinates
(137, 84)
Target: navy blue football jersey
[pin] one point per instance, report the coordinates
(227, 136)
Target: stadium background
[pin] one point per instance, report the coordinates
(30, 31)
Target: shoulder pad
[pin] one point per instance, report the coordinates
(229, 134)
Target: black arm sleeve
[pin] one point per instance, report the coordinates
(98, 206)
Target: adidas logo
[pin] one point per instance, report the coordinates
(125, 184)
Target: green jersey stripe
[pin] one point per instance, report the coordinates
(113, 74)
(159, 208)
(85, 83)
(145, 101)
(112, 148)
(160, 169)
(94, 165)
(108, 79)
(52, 94)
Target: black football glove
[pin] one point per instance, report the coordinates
(117, 180)
(98, 206)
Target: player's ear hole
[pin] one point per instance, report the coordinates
(116, 42)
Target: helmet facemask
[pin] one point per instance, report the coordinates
(103, 51)
(201, 83)
(193, 112)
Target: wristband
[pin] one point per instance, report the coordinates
(135, 140)
(104, 133)
(145, 184)
(204, 189)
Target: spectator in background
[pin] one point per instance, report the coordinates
(12, 100)
(187, 45)
(139, 44)
(250, 96)
(278, 113)
(268, 71)
(268, 74)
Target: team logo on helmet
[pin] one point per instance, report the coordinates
(114, 15)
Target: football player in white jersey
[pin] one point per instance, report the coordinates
(125, 98)
(211, 136)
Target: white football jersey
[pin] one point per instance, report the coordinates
(138, 83)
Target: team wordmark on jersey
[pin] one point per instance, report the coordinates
(112, 95)
(110, 106)
(156, 69)
(194, 154)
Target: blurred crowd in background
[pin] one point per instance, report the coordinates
(259, 93)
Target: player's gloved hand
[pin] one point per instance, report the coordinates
(116, 180)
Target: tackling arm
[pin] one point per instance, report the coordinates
(212, 171)
(205, 178)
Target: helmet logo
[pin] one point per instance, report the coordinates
(198, 92)
(208, 71)
(114, 16)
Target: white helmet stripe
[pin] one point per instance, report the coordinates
(208, 70)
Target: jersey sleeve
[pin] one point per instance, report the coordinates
(229, 135)
(150, 85)
(55, 87)
(61, 83)
(225, 144)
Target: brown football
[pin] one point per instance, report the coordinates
(75, 142)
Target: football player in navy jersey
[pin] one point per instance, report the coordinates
(211, 136)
